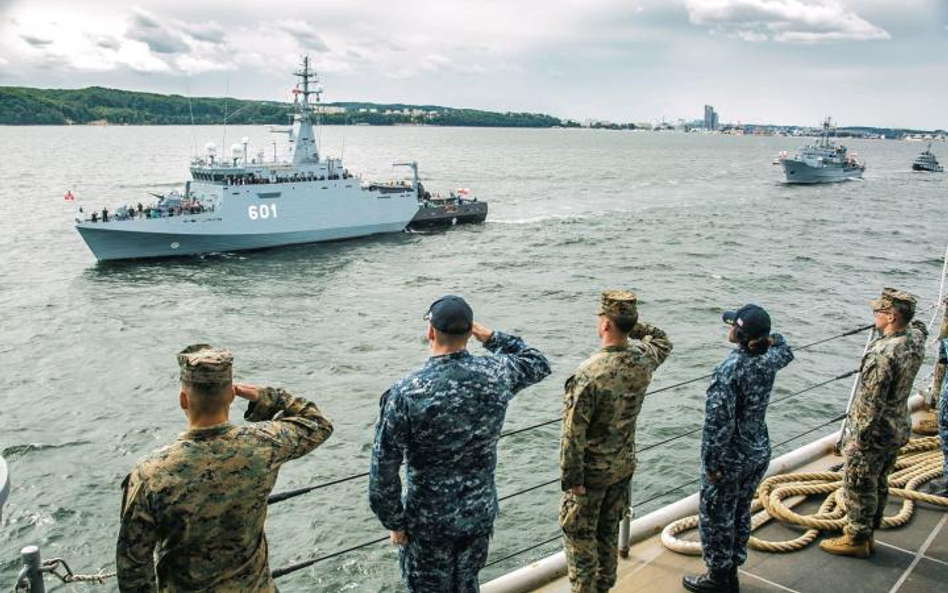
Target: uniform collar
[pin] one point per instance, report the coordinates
(614, 348)
(210, 432)
(445, 358)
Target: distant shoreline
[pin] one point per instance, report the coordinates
(99, 106)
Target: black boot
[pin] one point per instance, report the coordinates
(732, 578)
(936, 487)
(711, 582)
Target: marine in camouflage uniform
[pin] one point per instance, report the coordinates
(877, 425)
(193, 512)
(597, 443)
(444, 421)
(735, 445)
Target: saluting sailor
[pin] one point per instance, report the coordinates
(443, 421)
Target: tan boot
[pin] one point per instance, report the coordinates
(872, 543)
(846, 546)
(926, 425)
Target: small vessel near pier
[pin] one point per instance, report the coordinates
(246, 202)
(821, 162)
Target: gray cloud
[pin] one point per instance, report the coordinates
(209, 32)
(785, 21)
(36, 41)
(107, 42)
(304, 35)
(158, 37)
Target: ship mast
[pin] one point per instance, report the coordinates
(305, 149)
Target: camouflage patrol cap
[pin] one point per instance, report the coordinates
(202, 363)
(618, 303)
(894, 298)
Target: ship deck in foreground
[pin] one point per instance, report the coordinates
(909, 559)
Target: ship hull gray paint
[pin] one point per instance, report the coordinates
(800, 172)
(113, 244)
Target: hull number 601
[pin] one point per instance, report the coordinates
(262, 211)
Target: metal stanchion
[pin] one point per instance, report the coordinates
(32, 571)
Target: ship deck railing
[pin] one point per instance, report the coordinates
(641, 530)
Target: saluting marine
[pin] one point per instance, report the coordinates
(193, 512)
(597, 443)
(444, 421)
(877, 424)
(735, 445)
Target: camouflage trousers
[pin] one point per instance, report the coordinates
(590, 525)
(866, 489)
(724, 516)
(443, 566)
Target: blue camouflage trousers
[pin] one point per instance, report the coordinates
(443, 566)
(943, 422)
(724, 516)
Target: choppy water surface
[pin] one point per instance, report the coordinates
(692, 223)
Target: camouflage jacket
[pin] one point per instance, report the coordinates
(601, 404)
(193, 512)
(878, 418)
(735, 425)
(444, 421)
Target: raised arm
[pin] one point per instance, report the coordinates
(656, 342)
(134, 551)
(294, 423)
(779, 353)
(522, 364)
(385, 485)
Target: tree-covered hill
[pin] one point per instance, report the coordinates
(29, 106)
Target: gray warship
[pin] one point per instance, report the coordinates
(821, 162)
(245, 202)
(926, 161)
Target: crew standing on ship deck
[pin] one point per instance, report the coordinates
(735, 445)
(877, 424)
(940, 486)
(602, 402)
(444, 421)
(193, 512)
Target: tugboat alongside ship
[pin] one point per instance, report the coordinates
(246, 203)
(821, 162)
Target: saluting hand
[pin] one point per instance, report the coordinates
(480, 332)
(246, 391)
(398, 538)
(577, 490)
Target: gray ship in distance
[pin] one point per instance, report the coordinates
(245, 202)
(821, 162)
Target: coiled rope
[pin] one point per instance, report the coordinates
(918, 462)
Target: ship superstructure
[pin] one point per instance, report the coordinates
(821, 162)
(245, 201)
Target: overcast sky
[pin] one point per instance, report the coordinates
(865, 62)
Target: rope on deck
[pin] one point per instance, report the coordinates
(918, 462)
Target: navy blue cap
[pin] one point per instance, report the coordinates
(450, 314)
(752, 320)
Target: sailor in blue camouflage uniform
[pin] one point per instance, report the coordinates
(940, 486)
(444, 421)
(735, 445)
